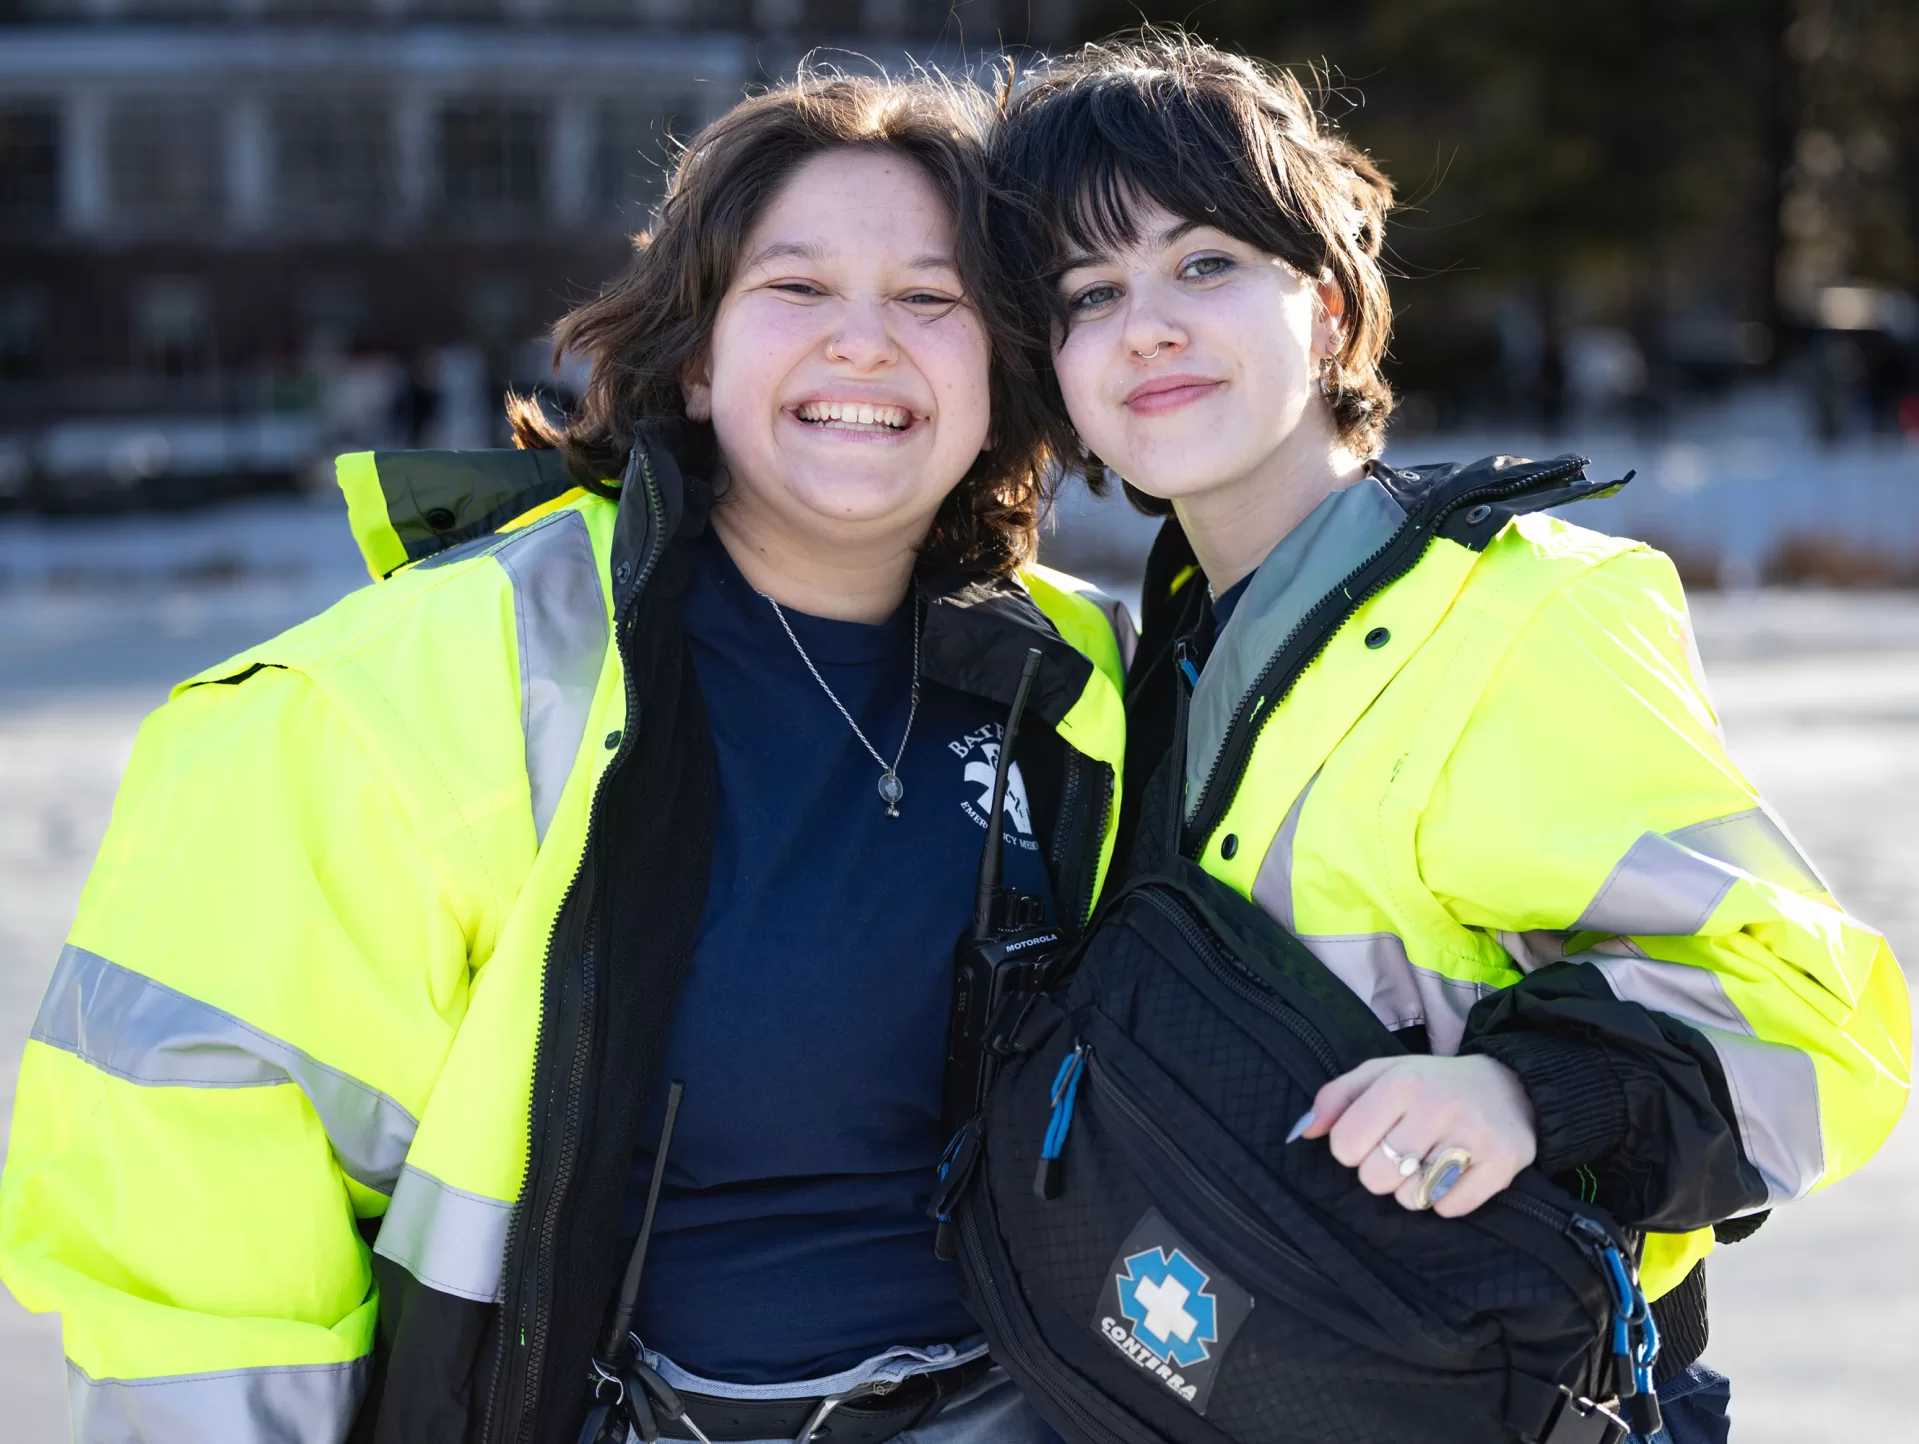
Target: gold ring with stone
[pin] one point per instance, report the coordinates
(1444, 1169)
(1407, 1163)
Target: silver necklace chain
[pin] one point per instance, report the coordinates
(891, 789)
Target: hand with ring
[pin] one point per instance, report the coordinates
(1439, 1133)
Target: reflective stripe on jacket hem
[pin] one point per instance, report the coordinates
(447, 1238)
(134, 1028)
(287, 1404)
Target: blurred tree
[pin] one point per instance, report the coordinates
(1622, 162)
(1851, 179)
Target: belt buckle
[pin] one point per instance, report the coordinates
(872, 1389)
(819, 1415)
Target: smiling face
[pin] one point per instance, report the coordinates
(1190, 360)
(847, 377)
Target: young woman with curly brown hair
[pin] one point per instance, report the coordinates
(655, 755)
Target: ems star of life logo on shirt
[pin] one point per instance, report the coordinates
(979, 750)
(1170, 1312)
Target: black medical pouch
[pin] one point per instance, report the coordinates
(1152, 1262)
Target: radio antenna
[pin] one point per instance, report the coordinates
(636, 1265)
(989, 861)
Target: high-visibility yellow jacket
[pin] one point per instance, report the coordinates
(1464, 751)
(322, 1075)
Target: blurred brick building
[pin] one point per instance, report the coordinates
(234, 232)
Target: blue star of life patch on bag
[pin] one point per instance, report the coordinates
(1169, 1310)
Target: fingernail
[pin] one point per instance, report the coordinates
(1446, 1181)
(1305, 1122)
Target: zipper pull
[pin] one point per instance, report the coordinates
(955, 1172)
(1048, 1181)
(1635, 1337)
(1184, 662)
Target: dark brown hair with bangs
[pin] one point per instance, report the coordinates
(1213, 138)
(641, 333)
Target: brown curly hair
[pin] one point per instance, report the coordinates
(1211, 137)
(642, 331)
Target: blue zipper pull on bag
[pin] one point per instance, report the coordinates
(1048, 1179)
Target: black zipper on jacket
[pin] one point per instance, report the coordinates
(1400, 554)
(526, 1304)
(1078, 839)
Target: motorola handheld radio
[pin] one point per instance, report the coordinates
(1009, 949)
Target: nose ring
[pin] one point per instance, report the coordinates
(1149, 355)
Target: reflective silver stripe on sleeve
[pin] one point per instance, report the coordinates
(290, 1404)
(447, 1238)
(1400, 994)
(147, 1033)
(1755, 842)
(1660, 887)
(1668, 886)
(559, 612)
(1775, 1090)
(1273, 887)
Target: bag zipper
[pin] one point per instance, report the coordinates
(1243, 983)
(529, 1296)
(1399, 555)
(1115, 1091)
(1635, 1337)
(1009, 1348)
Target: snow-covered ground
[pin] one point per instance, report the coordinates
(1815, 1318)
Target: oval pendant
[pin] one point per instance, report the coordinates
(891, 791)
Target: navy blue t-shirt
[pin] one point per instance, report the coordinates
(1227, 602)
(792, 1238)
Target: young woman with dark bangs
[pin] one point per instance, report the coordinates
(655, 755)
(1498, 805)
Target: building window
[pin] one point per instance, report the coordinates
(29, 164)
(635, 150)
(321, 9)
(493, 158)
(23, 315)
(833, 17)
(172, 332)
(163, 161)
(458, 9)
(332, 161)
(601, 10)
(172, 9)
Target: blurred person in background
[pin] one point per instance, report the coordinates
(1498, 806)
(653, 757)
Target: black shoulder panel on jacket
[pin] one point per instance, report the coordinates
(978, 631)
(1474, 499)
(439, 499)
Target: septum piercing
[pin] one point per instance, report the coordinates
(1149, 355)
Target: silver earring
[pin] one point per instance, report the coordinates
(1331, 383)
